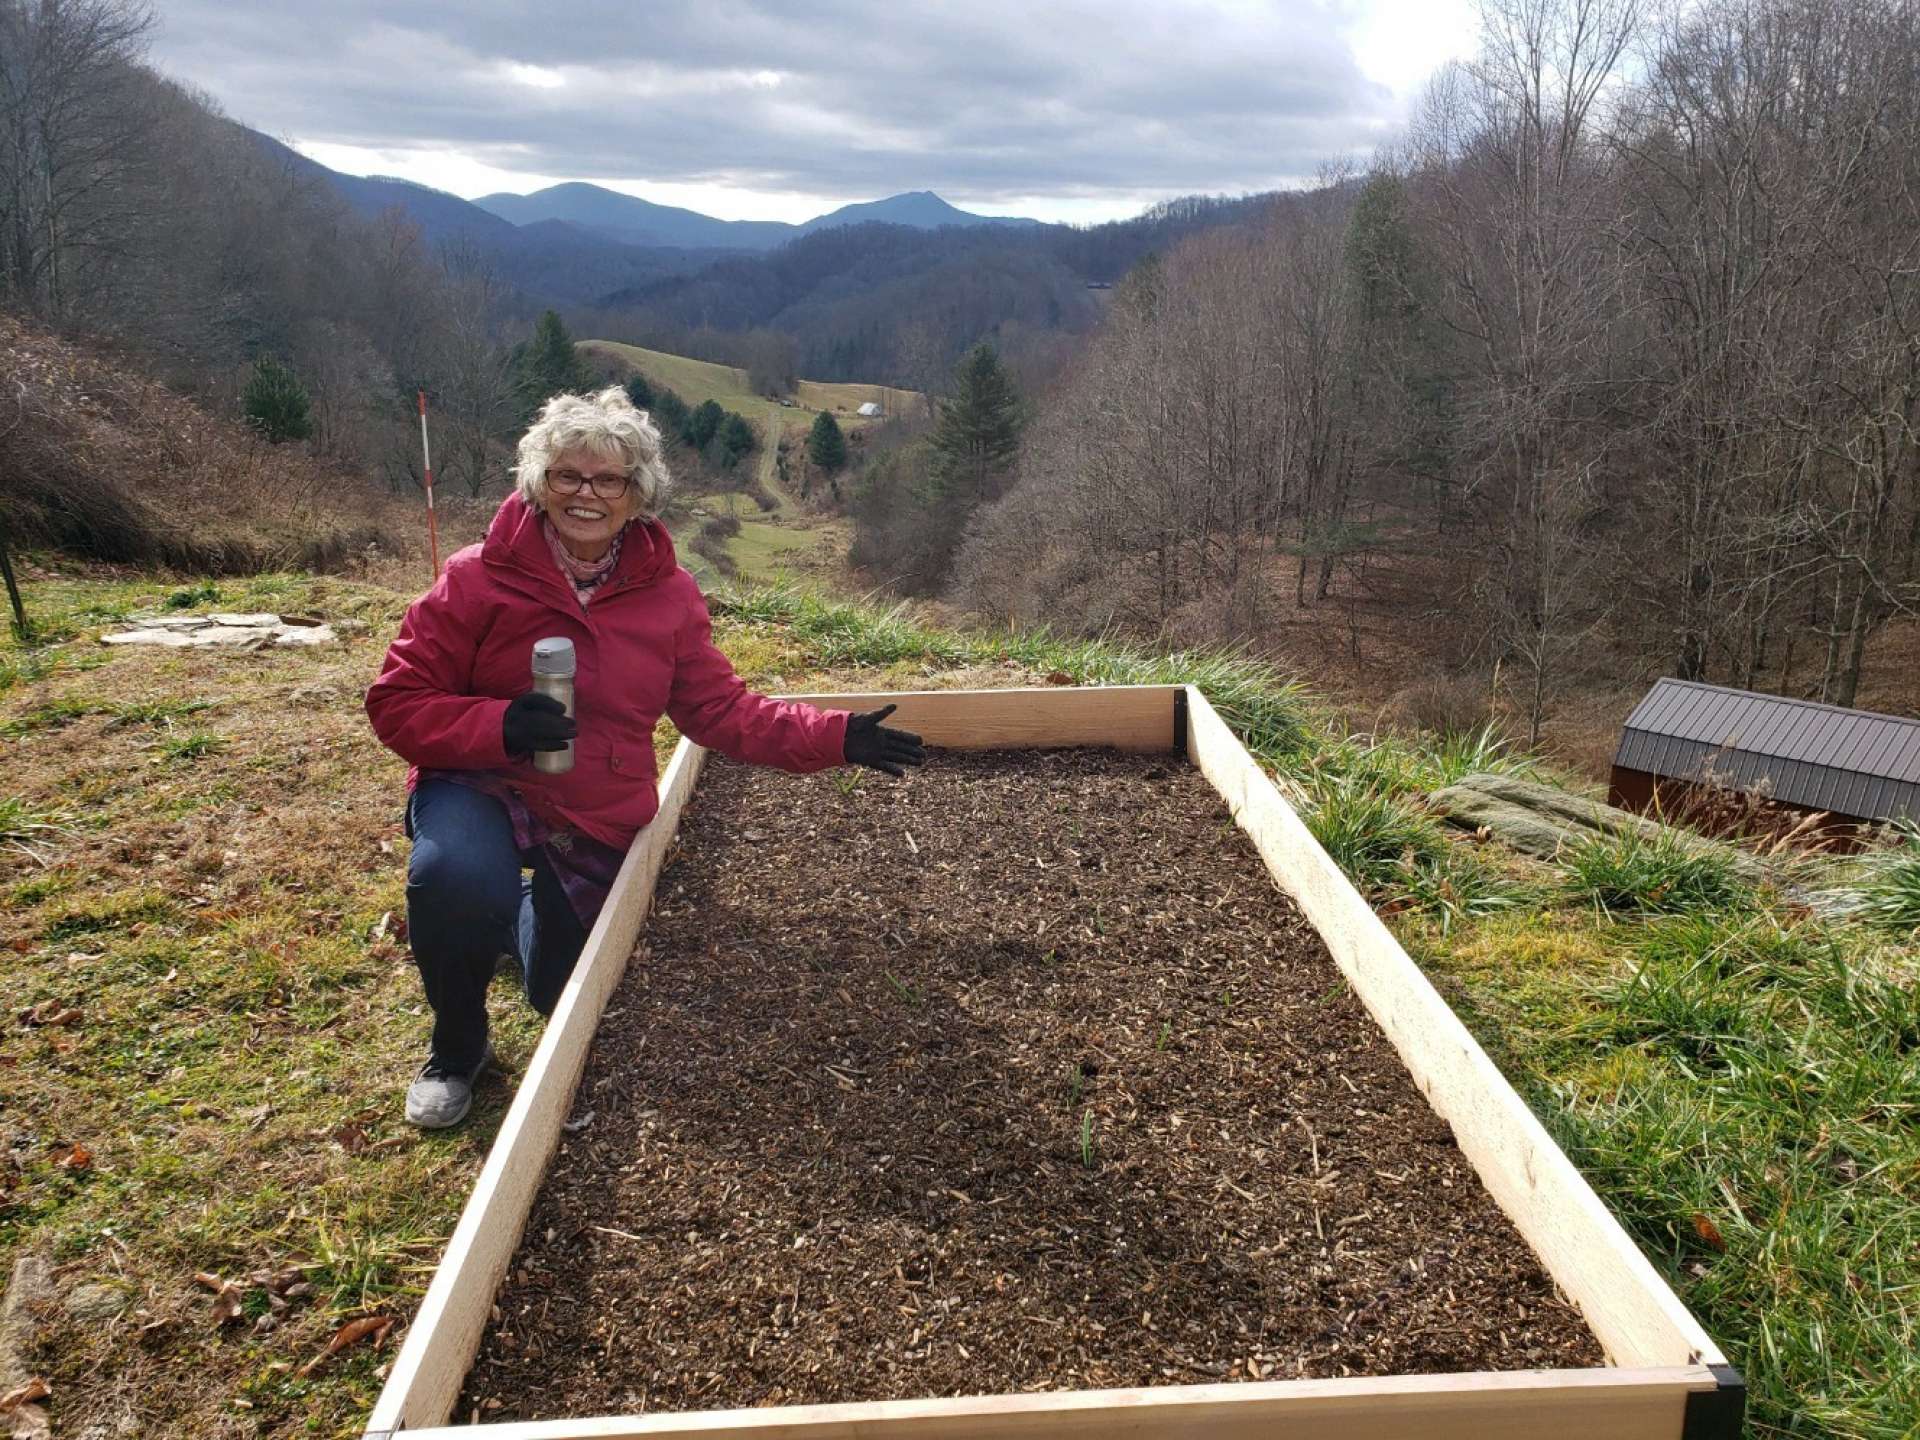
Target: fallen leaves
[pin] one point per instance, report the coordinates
(24, 1418)
(282, 1286)
(352, 1138)
(52, 1012)
(34, 1389)
(75, 1157)
(387, 938)
(228, 1298)
(1709, 1233)
(348, 1335)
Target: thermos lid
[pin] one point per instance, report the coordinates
(553, 657)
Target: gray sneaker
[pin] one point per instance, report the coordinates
(440, 1096)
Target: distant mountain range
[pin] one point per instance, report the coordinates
(610, 215)
(845, 285)
(575, 243)
(634, 221)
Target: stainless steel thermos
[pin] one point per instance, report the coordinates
(553, 675)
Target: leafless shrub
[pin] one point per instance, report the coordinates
(714, 548)
(1441, 705)
(1715, 802)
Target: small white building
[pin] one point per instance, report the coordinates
(871, 410)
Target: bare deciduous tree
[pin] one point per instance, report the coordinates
(71, 111)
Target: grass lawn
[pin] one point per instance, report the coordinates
(698, 380)
(789, 545)
(203, 869)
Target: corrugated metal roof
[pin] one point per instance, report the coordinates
(1851, 762)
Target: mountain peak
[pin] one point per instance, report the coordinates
(629, 219)
(920, 209)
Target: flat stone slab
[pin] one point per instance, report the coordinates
(29, 1289)
(225, 630)
(1544, 820)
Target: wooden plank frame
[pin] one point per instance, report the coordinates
(1665, 1379)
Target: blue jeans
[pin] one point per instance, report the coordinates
(468, 904)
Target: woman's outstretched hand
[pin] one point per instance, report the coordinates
(881, 747)
(536, 722)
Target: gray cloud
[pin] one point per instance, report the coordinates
(986, 99)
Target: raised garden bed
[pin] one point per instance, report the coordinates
(1059, 1093)
(1022, 1082)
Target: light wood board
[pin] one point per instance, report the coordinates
(1127, 717)
(445, 1333)
(1506, 1405)
(1630, 1308)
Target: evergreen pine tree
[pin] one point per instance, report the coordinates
(736, 440)
(704, 423)
(826, 446)
(977, 437)
(547, 365)
(669, 413)
(275, 403)
(640, 392)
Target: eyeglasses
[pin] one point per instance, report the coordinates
(570, 482)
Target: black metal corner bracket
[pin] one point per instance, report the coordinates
(1719, 1413)
(1180, 721)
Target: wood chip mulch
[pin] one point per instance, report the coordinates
(1018, 1075)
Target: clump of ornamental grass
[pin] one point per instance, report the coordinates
(1394, 850)
(1656, 874)
(1407, 767)
(1890, 893)
(1376, 838)
(1486, 750)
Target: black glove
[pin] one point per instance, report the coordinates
(880, 746)
(536, 722)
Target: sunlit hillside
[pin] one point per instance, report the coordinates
(786, 543)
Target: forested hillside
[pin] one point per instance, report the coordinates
(133, 213)
(1588, 381)
(899, 305)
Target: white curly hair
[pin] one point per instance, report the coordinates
(606, 424)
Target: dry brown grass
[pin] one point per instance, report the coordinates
(211, 911)
(97, 460)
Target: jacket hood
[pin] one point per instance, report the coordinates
(514, 544)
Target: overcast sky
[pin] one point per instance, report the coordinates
(752, 109)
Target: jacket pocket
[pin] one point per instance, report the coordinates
(630, 761)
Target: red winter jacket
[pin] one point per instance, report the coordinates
(644, 648)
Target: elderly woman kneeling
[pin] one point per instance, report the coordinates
(575, 554)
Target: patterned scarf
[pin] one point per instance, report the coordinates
(586, 576)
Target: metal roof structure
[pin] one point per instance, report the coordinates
(1853, 763)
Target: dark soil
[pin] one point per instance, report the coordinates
(1018, 1075)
